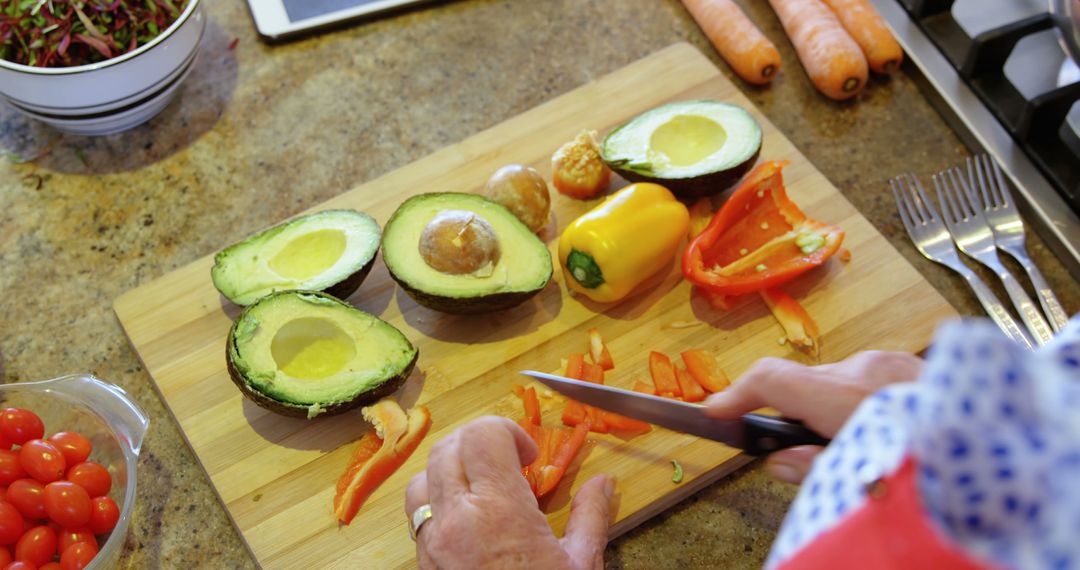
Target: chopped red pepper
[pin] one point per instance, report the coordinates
(705, 369)
(644, 388)
(532, 405)
(799, 326)
(556, 447)
(663, 375)
(599, 351)
(691, 390)
(575, 366)
(379, 453)
(759, 239)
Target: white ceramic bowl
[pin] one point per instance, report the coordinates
(112, 95)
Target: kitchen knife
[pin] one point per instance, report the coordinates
(755, 434)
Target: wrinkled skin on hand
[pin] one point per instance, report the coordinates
(822, 397)
(485, 516)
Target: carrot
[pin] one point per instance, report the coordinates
(832, 59)
(862, 21)
(742, 45)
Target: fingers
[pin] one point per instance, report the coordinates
(587, 528)
(876, 368)
(495, 449)
(416, 493)
(812, 395)
(445, 473)
(793, 464)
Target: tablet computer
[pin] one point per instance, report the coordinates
(282, 19)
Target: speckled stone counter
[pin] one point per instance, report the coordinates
(259, 133)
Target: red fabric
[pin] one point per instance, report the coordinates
(889, 532)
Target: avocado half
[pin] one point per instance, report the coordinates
(306, 354)
(330, 251)
(522, 268)
(693, 148)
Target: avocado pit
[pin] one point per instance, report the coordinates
(459, 242)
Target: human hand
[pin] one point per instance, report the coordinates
(822, 397)
(485, 516)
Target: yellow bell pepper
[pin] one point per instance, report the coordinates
(617, 245)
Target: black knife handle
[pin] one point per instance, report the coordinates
(766, 434)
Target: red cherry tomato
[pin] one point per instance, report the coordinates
(11, 523)
(92, 477)
(42, 460)
(28, 495)
(5, 556)
(78, 556)
(103, 515)
(37, 546)
(11, 468)
(69, 536)
(73, 445)
(20, 565)
(67, 504)
(3, 493)
(51, 566)
(17, 426)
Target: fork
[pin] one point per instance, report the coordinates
(927, 231)
(972, 235)
(1008, 229)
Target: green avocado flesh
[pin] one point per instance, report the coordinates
(693, 148)
(521, 268)
(303, 353)
(328, 251)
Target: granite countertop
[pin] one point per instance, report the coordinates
(260, 132)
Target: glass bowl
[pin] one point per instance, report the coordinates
(113, 423)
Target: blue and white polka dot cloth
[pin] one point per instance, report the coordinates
(995, 430)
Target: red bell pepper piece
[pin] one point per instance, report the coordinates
(663, 375)
(598, 351)
(644, 388)
(705, 369)
(574, 412)
(532, 405)
(759, 239)
(575, 366)
(569, 443)
(379, 453)
(799, 326)
(691, 390)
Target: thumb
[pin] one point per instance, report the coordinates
(793, 464)
(587, 528)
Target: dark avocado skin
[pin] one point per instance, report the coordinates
(387, 387)
(698, 186)
(468, 305)
(342, 289)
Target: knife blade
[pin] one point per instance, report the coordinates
(755, 434)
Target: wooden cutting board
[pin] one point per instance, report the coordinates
(276, 475)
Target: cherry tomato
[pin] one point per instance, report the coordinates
(20, 565)
(68, 536)
(78, 555)
(11, 523)
(17, 426)
(73, 445)
(42, 460)
(103, 515)
(51, 566)
(28, 495)
(5, 556)
(92, 477)
(11, 468)
(3, 493)
(67, 504)
(37, 546)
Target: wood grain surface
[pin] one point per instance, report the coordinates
(276, 475)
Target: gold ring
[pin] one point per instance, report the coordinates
(417, 520)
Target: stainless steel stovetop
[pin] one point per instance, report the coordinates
(998, 73)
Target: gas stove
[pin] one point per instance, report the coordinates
(998, 73)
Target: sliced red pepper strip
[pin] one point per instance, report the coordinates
(691, 390)
(705, 369)
(553, 471)
(532, 405)
(759, 239)
(575, 366)
(800, 328)
(575, 412)
(379, 453)
(663, 374)
(599, 351)
(617, 422)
